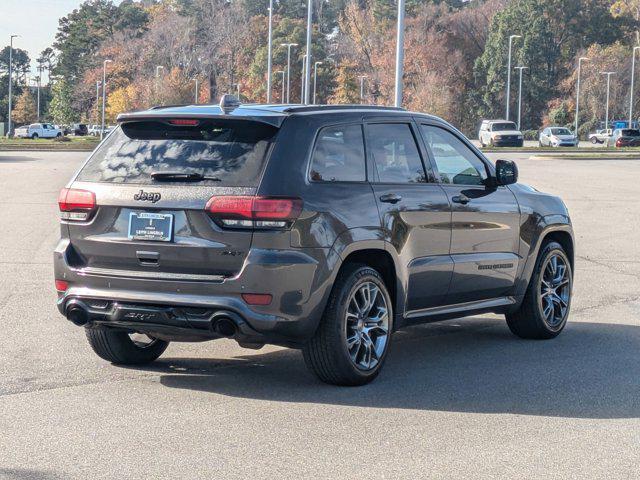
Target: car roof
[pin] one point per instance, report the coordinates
(266, 113)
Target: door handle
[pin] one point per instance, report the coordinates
(390, 198)
(462, 198)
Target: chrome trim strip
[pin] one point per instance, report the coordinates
(109, 272)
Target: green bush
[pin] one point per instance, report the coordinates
(530, 134)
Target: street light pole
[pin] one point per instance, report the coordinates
(307, 69)
(104, 93)
(196, 80)
(511, 38)
(606, 118)
(303, 82)
(288, 45)
(633, 71)
(98, 83)
(269, 48)
(158, 68)
(10, 81)
(282, 72)
(362, 77)
(399, 54)
(520, 94)
(315, 79)
(580, 60)
(38, 87)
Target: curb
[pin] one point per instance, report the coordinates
(620, 156)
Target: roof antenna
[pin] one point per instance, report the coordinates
(229, 102)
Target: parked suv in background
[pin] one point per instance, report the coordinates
(324, 228)
(500, 133)
(557, 137)
(38, 130)
(624, 137)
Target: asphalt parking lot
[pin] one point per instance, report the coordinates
(458, 399)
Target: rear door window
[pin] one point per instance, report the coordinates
(395, 153)
(339, 155)
(227, 152)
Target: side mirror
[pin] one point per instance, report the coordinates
(506, 172)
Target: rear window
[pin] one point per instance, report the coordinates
(229, 152)
(630, 132)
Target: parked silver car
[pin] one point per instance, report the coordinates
(557, 137)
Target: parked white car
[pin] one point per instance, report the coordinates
(38, 130)
(500, 133)
(94, 130)
(600, 136)
(557, 137)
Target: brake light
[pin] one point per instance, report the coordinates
(619, 143)
(254, 212)
(75, 204)
(186, 122)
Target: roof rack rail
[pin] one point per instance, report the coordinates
(313, 108)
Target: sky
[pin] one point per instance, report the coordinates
(36, 21)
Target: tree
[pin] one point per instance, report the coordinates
(25, 111)
(553, 31)
(60, 109)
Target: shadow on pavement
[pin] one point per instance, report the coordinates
(15, 158)
(472, 365)
(27, 474)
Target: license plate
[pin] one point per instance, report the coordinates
(150, 226)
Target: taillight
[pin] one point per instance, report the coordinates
(254, 212)
(619, 143)
(76, 205)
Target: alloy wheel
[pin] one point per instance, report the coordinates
(555, 291)
(367, 326)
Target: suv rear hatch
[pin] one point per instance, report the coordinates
(147, 202)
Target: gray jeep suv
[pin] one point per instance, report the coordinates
(324, 228)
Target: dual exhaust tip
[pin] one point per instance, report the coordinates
(223, 323)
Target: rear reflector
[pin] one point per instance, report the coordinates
(61, 286)
(258, 212)
(76, 204)
(257, 298)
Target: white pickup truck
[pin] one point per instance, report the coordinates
(38, 130)
(600, 136)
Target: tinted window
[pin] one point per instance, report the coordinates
(232, 151)
(339, 155)
(499, 127)
(630, 132)
(456, 163)
(395, 153)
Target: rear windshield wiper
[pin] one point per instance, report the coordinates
(181, 177)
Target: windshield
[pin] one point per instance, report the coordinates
(560, 131)
(230, 151)
(630, 132)
(499, 127)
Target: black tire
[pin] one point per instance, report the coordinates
(594, 140)
(34, 136)
(529, 320)
(327, 354)
(58, 134)
(117, 347)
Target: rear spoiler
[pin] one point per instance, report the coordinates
(161, 114)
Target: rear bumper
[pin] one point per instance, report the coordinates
(298, 281)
